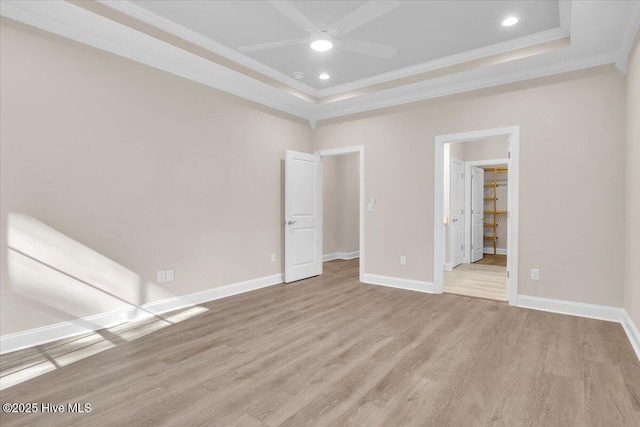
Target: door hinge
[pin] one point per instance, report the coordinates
(462, 212)
(472, 246)
(462, 247)
(509, 154)
(507, 274)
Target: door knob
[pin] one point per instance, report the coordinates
(455, 220)
(291, 222)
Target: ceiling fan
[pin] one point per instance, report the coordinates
(324, 39)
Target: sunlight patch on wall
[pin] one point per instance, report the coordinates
(52, 268)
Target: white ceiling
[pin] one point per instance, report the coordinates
(421, 30)
(601, 32)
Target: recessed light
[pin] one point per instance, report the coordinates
(324, 76)
(509, 21)
(321, 45)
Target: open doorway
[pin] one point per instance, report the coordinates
(475, 218)
(341, 217)
(475, 214)
(343, 200)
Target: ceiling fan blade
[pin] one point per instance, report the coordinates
(290, 11)
(366, 48)
(272, 45)
(362, 15)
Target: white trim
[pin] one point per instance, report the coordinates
(448, 266)
(399, 283)
(177, 30)
(499, 251)
(453, 84)
(564, 30)
(513, 133)
(449, 227)
(136, 12)
(346, 150)
(448, 61)
(591, 311)
(62, 330)
(632, 332)
(340, 255)
(75, 23)
(629, 36)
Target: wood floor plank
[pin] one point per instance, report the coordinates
(330, 351)
(477, 280)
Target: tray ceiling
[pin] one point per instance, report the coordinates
(443, 47)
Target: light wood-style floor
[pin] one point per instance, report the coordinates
(477, 280)
(330, 351)
(490, 259)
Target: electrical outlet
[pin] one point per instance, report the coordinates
(403, 260)
(535, 274)
(162, 276)
(273, 257)
(169, 276)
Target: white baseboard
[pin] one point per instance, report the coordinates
(396, 282)
(632, 332)
(448, 266)
(592, 311)
(340, 255)
(68, 329)
(499, 251)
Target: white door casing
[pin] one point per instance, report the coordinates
(477, 214)
(303, 216)
(457, 206)
(513, 179)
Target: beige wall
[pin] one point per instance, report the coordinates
(632, 211)
(112, 170)
(572, 131)
(341, 203)
(330, 205)
(487, 149)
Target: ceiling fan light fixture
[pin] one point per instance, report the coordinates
(321, 45)
(324, 76)
(510, 21)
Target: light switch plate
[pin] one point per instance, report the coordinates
(169, 276)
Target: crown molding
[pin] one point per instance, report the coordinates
(177, 30)
(78, 24)
(449, 86)
(448, 61)
(564, 30)
(631, 31)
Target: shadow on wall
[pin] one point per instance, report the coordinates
(66, 279)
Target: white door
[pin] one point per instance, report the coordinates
(477, 213)
(303, 216)
(457, 206)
